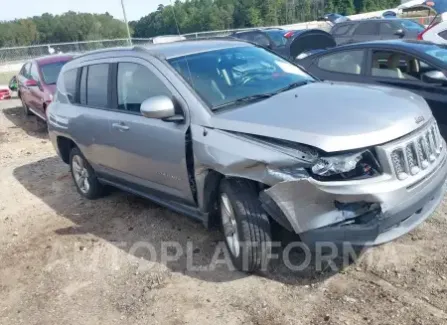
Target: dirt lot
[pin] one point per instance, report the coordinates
(66, 260)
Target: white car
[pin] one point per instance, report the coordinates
(168, 39)
(436, 32)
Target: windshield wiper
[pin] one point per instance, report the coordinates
(248, 99)
(292, 86)
(253, 98)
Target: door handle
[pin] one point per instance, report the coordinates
(120, 126)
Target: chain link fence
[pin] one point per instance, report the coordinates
(12, 58)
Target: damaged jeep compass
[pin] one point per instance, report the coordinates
(235, 136)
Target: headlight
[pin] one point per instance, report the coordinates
(327, 166)
(346, 166)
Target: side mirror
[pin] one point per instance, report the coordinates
(434, 76)
(400, 33)
(160, 107)
(13, 84)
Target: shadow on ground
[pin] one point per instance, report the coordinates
(129, 220)
(32, 125)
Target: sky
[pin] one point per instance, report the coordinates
(135, 9)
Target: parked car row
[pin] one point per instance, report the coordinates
(385, 60)
(236, 136)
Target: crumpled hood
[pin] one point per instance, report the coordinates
(330, 116)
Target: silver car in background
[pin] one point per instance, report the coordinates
(233, 135)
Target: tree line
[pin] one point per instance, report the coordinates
(183, 16)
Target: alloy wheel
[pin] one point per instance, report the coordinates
(80, 174)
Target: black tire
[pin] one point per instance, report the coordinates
(95, 189)
(252, 222)
(25, 108)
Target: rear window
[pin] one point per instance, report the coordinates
(51, 71)
(411, 25)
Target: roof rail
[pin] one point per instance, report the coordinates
(111, 49)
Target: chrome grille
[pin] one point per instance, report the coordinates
(418, 153)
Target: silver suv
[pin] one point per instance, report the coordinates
(233, 135)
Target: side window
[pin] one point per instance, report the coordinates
(135, 84)
(389, 64)
(97, 85)
(34, 74)
(341, 30)
(387, 29)
(255, 37)
(367, 28)
(83, 86)
(70, 78)
(443, 34)
(344, 62)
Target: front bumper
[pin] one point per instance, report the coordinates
(364, 213)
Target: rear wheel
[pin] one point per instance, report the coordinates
(84, 176)
(245, 224)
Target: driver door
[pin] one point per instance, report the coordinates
(393, 68)
(148, 152)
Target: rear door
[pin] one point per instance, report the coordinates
(148, 152)
(366, 31)
(90, 126)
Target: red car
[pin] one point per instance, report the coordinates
(37, 83)
(5, 93)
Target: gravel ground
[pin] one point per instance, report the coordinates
(66, 260)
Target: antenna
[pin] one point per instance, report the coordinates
(175, 18)
(129, 38)
(178, 31)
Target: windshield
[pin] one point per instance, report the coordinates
(411, 25)
(277, 37)
(437, 52)
(50, 72)
(225, 76)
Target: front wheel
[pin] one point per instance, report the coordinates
(245, 224)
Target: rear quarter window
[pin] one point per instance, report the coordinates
(443, 34)
(70, 78)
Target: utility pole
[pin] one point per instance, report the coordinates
(129, 38)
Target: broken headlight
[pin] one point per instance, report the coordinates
(350, 166)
